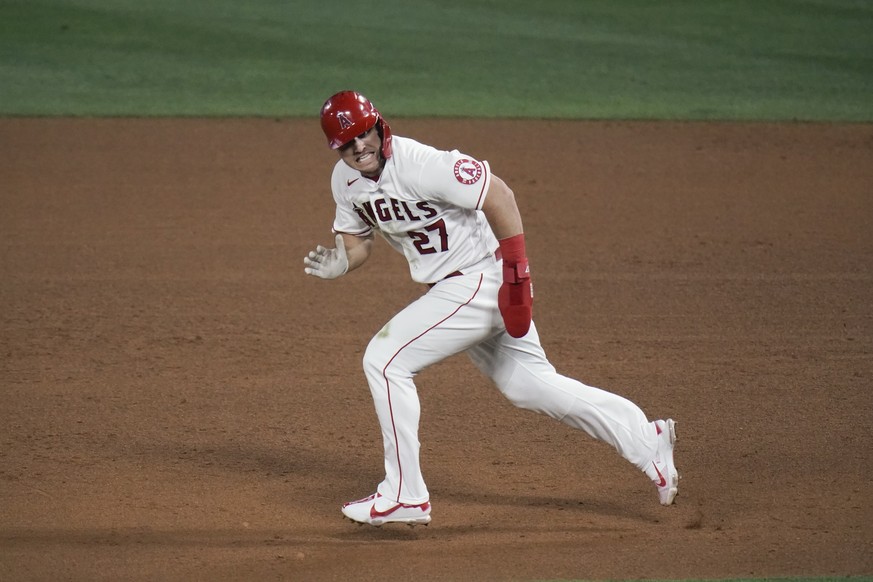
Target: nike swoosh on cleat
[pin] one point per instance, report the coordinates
(376, 513)
(663, 482)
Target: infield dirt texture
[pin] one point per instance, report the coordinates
(181, 403)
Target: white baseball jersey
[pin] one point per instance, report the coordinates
(426, 203)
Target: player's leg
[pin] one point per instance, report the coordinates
(521, 371)
(445, 321)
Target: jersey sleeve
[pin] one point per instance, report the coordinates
(455, 178)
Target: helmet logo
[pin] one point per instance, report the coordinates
(468, 171)
(344, 121)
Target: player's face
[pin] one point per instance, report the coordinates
(364, 153)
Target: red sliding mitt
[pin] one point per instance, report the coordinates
(515, 298)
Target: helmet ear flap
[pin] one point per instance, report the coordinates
(385, 133)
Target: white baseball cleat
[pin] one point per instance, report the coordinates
(377, 510)
(663, 469)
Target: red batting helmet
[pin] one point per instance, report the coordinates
(347, 115)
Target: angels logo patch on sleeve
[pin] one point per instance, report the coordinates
(468, 171)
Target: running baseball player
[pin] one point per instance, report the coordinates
(459, 228)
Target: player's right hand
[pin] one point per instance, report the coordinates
(327, 263)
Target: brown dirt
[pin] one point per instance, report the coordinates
(181, 403)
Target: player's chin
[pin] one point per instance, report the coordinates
(368, 166)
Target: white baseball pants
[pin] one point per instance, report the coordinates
(461, 314)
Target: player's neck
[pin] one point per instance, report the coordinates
(374, 176)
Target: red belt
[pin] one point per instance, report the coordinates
(497, 256)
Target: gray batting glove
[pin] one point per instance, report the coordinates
(327, 263)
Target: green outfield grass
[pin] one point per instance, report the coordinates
(643, 59)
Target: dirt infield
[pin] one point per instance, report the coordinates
(179, 402)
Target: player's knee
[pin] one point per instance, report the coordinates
(377, 360)
(383, 365)
(520, 400)
(531, 395)
(518, 393)
(373, 361)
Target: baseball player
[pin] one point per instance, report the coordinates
(459, 228)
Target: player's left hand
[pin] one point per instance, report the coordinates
(327, 263)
